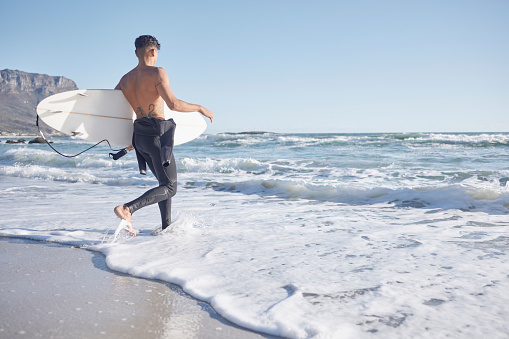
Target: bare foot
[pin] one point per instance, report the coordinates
(123, 212)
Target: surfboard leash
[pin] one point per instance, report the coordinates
(115, 156)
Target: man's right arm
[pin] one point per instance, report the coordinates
(164, 90)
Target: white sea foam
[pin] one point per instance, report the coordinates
(313, 270)
(223, 165)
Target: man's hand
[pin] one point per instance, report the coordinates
(130, 148)
(205, 112)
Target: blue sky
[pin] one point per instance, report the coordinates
(287, 66)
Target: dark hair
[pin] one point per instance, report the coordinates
(146, 41)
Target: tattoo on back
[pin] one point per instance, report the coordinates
(140, 112)
(151, 111)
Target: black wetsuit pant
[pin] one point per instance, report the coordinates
(149, 146)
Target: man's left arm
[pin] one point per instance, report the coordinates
(130, 147)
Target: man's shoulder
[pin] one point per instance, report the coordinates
(152, 71)
(159, 71)
(126, 76)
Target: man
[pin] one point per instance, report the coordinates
(147, 89)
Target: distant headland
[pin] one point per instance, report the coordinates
(20, 92)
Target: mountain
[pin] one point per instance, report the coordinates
(20, 92)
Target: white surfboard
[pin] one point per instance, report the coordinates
(98, 114)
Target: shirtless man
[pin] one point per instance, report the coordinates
(147, 89)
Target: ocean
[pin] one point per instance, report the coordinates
(296, 235)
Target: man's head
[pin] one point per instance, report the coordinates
(145, 42)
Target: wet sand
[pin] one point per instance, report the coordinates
(49, 290)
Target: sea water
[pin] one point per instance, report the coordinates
(296, 235)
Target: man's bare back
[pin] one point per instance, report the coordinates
(139, 88)
(147, 88)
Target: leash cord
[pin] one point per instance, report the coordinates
(114, 156)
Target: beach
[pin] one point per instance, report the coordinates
(400, 235)
(49, 290)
